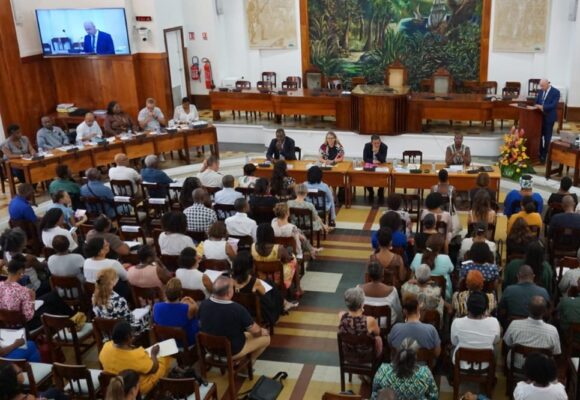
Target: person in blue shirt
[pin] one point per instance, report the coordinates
(512, 202)
(19, 208)
(313, 183)
(391, 219)
(95, 188)
(152, 174)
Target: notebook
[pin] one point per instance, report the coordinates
(166, 348)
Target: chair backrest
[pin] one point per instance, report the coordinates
(296, 79)
(122, 187)
(262, 214)
(246, 191)
(288, 242)
(442, 81)
(104, 380)
(264, 86)
(25, 367)
(251, 302)
(470, 86)
(380, 313)
(313, 78)
(490, 87)
(426, 85)
(59, 328)
(565, 262)
(298, 152)
(396, 74)
(287, 85)
(302, 218)
(427, 356)
(441, 282)
(146, 296)
(212, 348)
(564, 239)
(96, 206)
(410, 156)
(196, 236)
(162, 333)
(244, 242)
(525, 351)
(533, 86)
(179, 389)
(268, 76)
(216, 265)
(103, 330)
(34, 243)
(75, 379)
(195, 294)
(474, 356)
(431, 317)
(149, 188)
(318, 198)
(356, 350)
(271, 270)
(132, 232)
(224, 211)
(358, 80)
(243, 85)
(512, 89)
(170, 262)
(71, 290)
(334, 83)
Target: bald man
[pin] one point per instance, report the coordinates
(97, 41)
(123, 172)
(547, 101)
(516, 298)
(49, 136)
(89, 129)
(567, 219)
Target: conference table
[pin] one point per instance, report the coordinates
(92, 155)
(565, 155)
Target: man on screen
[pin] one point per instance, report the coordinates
(97, 41)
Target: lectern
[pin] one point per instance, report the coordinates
(530, 120)
(379, 109)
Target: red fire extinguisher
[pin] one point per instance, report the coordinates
(207, 71)
(195, 75)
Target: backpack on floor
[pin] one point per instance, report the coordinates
(265, 388)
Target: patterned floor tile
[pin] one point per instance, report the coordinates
(320, 281)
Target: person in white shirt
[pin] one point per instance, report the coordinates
(228, 195)
(64, 263)
(542, 380)
(51, 226)
(240, 224)
(192, 278)
(96, 251)
(173, 239)
(122, 172)
(209, 175)
(479, 235)
(186, 112)
(88, 129)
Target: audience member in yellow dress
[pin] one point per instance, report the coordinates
(119, 354)
(528, 213)
(124, 386)
(473, 283)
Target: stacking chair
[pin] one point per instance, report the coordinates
(37, 374)
(482, 376)
(77, 381)
(514, 375)
(71, 291)
(103, 330)
(357, 355)
(146, 296)
(224, 211)
(187, 353)
(185, 388)
(270, 270)
(268, 76)
(302, 218)
(14, 319)
(61, 332)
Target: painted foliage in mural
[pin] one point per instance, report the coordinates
(362, 37)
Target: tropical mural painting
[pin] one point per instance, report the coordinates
(362, 37)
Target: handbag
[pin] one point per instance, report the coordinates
(265, 388)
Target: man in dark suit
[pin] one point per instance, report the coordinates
(281, 148)
(96, 41)
(375, 153)
(547, 101)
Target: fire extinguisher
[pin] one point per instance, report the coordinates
(207, 71)
(195, 75)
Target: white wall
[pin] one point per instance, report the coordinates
(574, 66)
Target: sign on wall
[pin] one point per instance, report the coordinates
(520, 26)
(272, 24)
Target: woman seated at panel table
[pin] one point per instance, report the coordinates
(186, 112)
(331, 151)
(117, 121)
(16, 146)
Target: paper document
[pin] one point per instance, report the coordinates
(139, 313)
(382, 169)
(267, 286)
(132, 243)
(166, 348)
(455, 168)
(212, 274)
(9, 336)
(38, 304)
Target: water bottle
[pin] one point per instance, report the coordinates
(40, 150)
(433, 167)
(129, 131)
(395, 161)
(246, 159)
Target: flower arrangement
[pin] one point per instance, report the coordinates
(513, 160)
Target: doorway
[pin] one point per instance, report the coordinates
(177, 60)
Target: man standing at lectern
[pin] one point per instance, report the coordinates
(547, 101)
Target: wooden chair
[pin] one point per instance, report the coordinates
(272, 271)
(103, 330)
(470, 86)
(396, 74)
(431, 317)
(482, 376)
(146, 296)
(286, 85)
(71, 291)
(565, 262)
(123, 187)
(132, 233)
(441, 282)
(490, 87)
(264, 86)
(410, 157)
(33, 241)
(216, 351)
(154, 209)
(533, 87)
(357, 355)
(514, 374)
(338, 396)
(426, 86)
(357, 80)
(61, 332)
(77, 381)
(313, 78)
(511, 89)
(187, 353)
(36, 374)
(243, 85)
(296, 79)
(105, 379)
(251, 302)
(185, 388)
(412, 205)
(442, 82)
(216, 265)
(246, 191)
(244, 242)
(262, 214)
(383, 316)
(563, 242)
(14, 319)
(334, 83)
(268, 76)
(427, 357)
(96, 206)
(197, 237)
(195, 294)
(170, 262)
(298, 152)
(149, 188)
(302, 218)
(318, 199)
(127, 213)
(490, 233)
(224, 211)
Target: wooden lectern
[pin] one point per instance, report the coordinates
(379, 109)
(530, 120)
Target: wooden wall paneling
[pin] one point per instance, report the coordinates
(485, 33)
(152, 75)
(304, 36)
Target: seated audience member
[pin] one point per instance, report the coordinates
(536, 258)
(391, 220)
(567, 219)
(404, 377)
(458, 153)
(199, 217)
(474, 283)
(12, 380)
(434, 204)
(528, 213)
(428, 228)
(379, 294)
(124, 386)
(62, 201)
(570, 277)
(375, 153)
(541, 381)
(15, 297)
(262, 197)
(392, 263)
(428, 294)
(479, 236)
(119, 354)
(513, 200)
(185, 112)
(102, 229)
(440, 264)
(174, 239)
(482, 184)
(123, 172)
(216, 247)
(177, 311)
(228, 195)
(264, 249)
(97, 189)
(283, 228)
(354, 322)
(17, 146)
(248, 180)
(117, 121)
(151, 118)
(443, 187)
(481, 259)
(192, 278)
(186, 195)
(314, 183)
(281, 148)
(19, 208)
(481, 210)
(96, 251)
(220, 316)
(425, 335)
(153, 174)
(532, 332)
(51, 225)
(282, 185)
(64, 181)
(240, 224)
(65, 263)
(477, 330)
(569, 310)
(89, 129)
(301, 191)
(20, 349)
(150, 272)
(49, 136)
(208, 174)
(394, 203)
(515, 299)
(331, 151)
(13, 242)
(519, 237)
(109, 304)
(563, 191)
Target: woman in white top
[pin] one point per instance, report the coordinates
(186, 112)
(173, 240)
(191, 277)
(217, 246)
(283, 228)
(52, 224)
(542, 380)
(378, 293)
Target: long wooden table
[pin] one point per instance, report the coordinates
(36, 171)
(297, 169)
(565, 155)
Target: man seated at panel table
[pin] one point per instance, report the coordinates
(89, 129)
(281, 148)
(458, 153)
(375, 153)
(49, 136)
(151, 118)
(16, 146)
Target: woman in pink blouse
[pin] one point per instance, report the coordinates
(150, 272)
